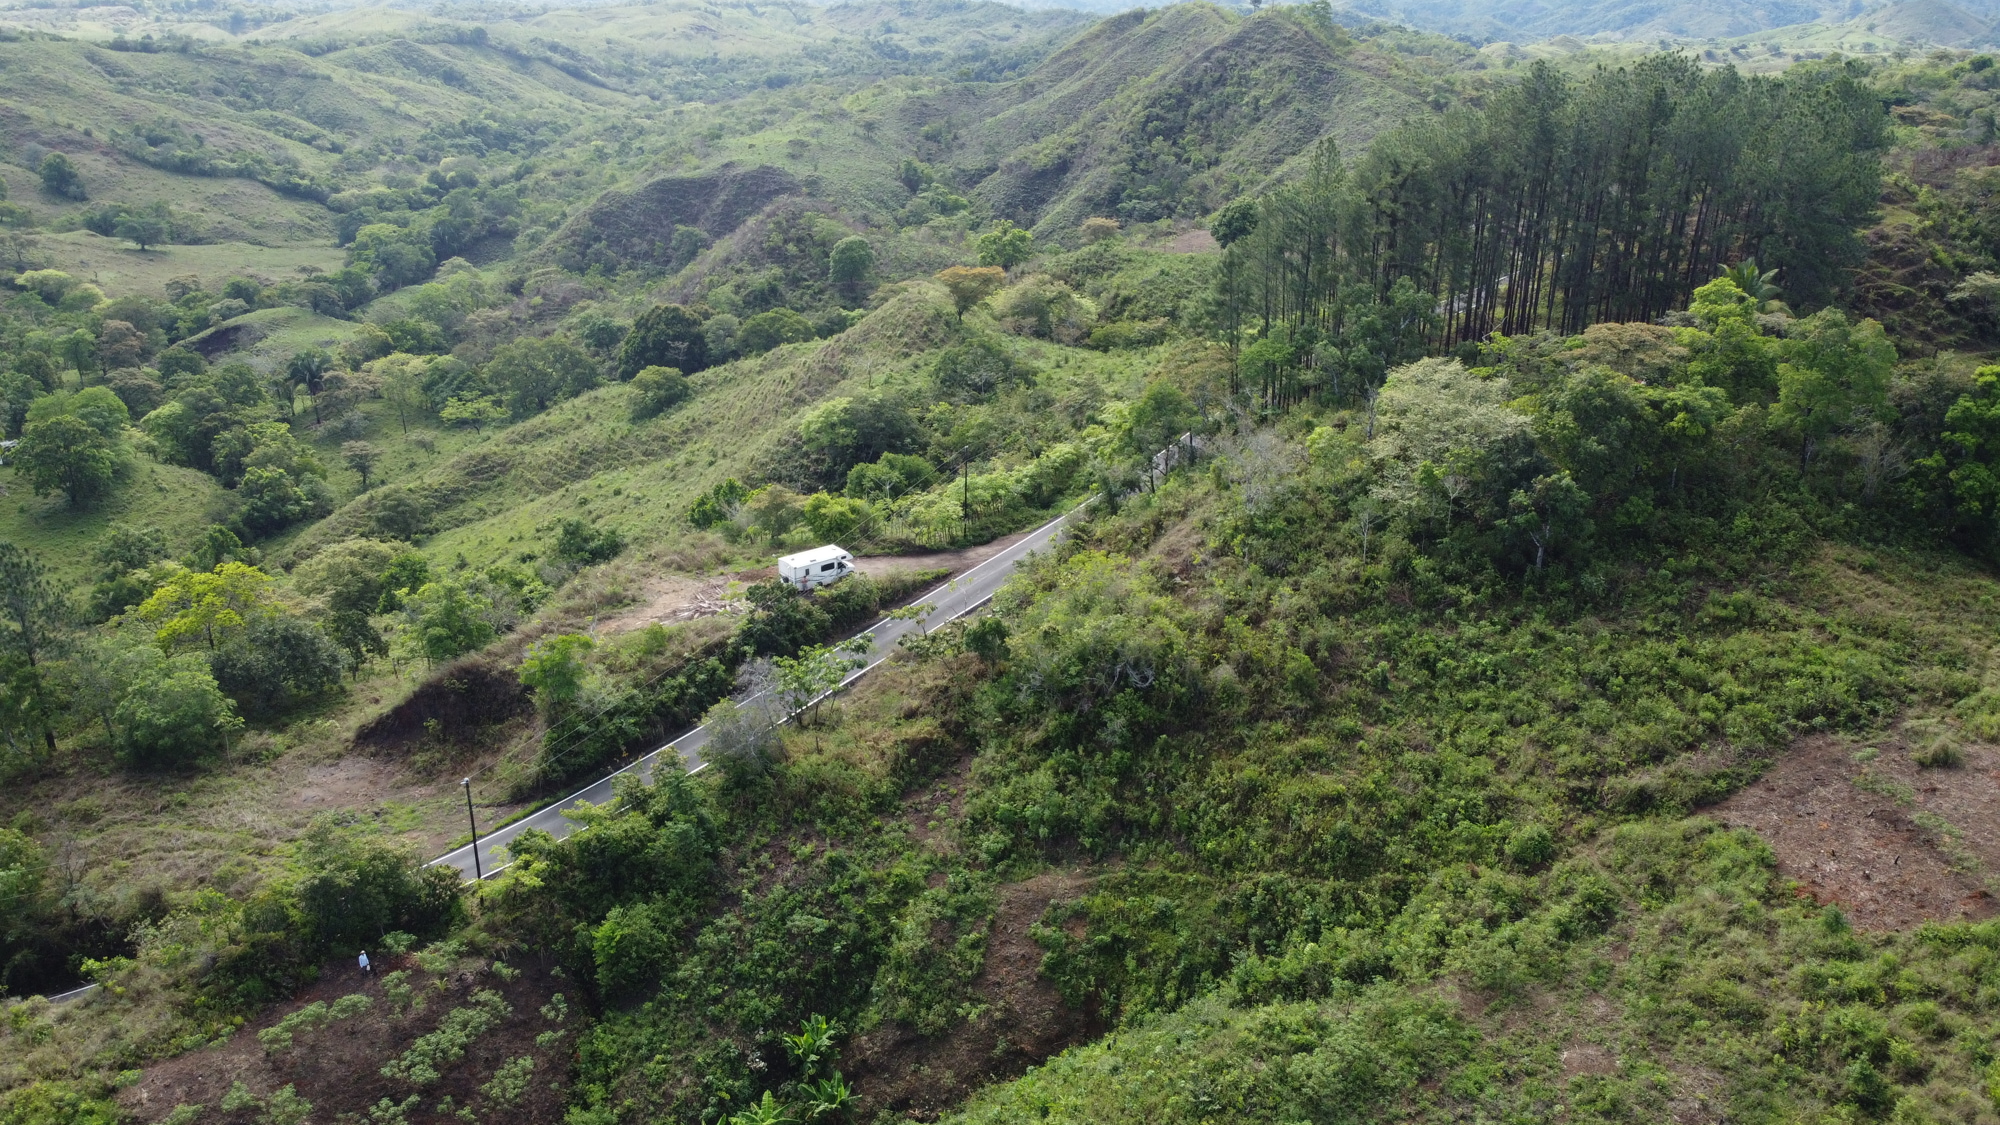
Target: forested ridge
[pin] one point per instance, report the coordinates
(1551, 677)
(1556, 205)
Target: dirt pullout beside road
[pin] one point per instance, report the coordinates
(671, 598)
(1891, 844)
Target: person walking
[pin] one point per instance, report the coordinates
(364, 963)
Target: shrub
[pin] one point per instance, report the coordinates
(742, 741)
(420, 1065)
(656, 390)
(273, 499)
(312, 1017)
(510, 1080)
(1531, 847)
(664, 336)
(451, 620)
(577, 542)
(970, 285)
(51, 1102)
(833, 518)
(554, 669)
(893, 475)
(771, 329)
(351, 888)
(1941, 752)
(844, 432)
(717, 504)
(277, 664)
(850, 262)
(534, 375)
(65, 454)
(60, 177)
(631, 949)
(1044, 307)
(173, 713)
(782, 621)
(1005, 246)
(402, 997)
(1129, 334)
(975, 369)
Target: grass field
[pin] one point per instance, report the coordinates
(118, 267)
(178, 501)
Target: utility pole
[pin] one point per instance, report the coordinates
(964, 493)
(478, 876)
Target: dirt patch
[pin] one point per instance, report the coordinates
(1588, 1058)
(337, 1067)
(1196, 241)
(225, 338)
(354, 782)
(669, 599)
(1891, 844)
(896, 1070)
(939, 807)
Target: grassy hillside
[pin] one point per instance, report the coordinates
(1239, 98)
(164, 496)
(1593, 727)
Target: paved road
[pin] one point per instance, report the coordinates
(953, 600)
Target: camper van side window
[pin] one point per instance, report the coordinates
(828, 566)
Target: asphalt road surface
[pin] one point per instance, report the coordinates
(953, 600)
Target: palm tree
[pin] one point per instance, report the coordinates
(1759, 287)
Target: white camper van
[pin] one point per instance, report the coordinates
(820, 566)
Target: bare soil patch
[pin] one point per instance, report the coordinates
(669, 599)
(353, 782)
(896, 1070)
(1891, 844)
(1196, 241)
(338, 1067)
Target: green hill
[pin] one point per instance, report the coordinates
(1239, 99)
(1616, 19)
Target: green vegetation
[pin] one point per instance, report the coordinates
(1493, 460)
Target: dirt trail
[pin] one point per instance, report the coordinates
(1891, 844)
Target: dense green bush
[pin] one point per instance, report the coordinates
(580, 544)
(631, 949)
(655, 390)
(664, 336)
(173, 713)
(782, 619)
(650, 861)
(767, 330)
(351, 888)
(277, 664)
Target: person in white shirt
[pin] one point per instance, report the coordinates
(364, 962)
